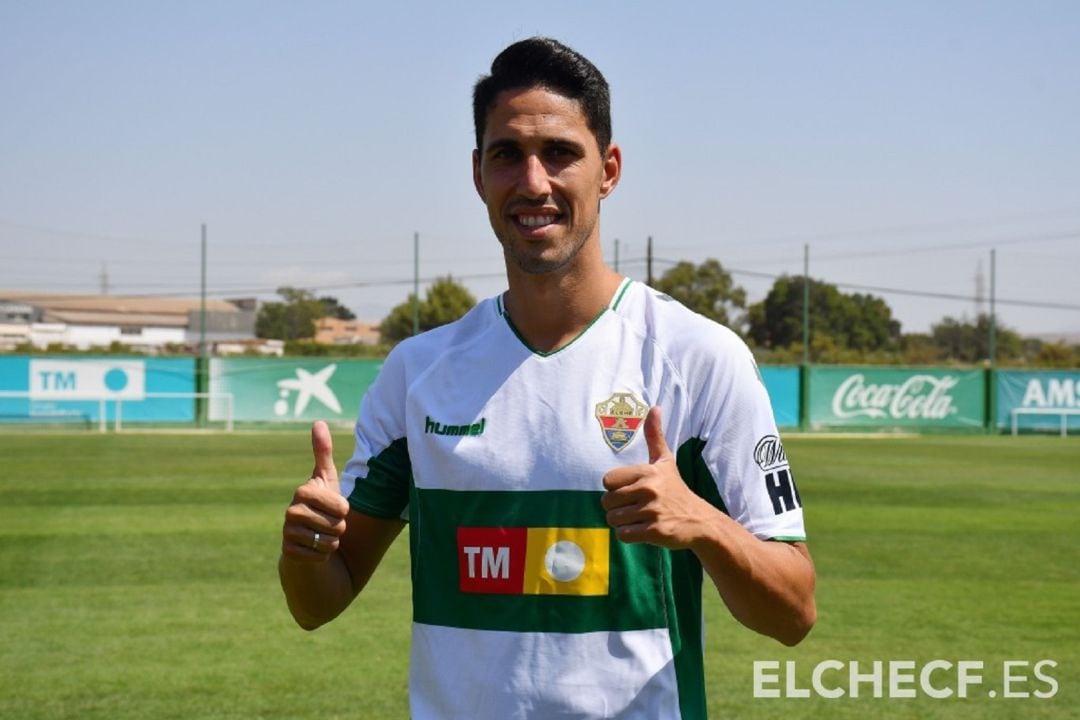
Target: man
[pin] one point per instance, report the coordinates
(570, 456)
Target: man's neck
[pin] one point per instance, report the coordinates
(550, 310)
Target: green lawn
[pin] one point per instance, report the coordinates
(138, 580)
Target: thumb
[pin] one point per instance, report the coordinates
(654, 436)
(322, 447)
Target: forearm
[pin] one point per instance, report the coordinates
(316, 593)
(768, 586)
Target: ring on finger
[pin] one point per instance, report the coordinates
(315, 541)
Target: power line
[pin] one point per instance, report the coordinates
(898, 291)
(220, 290)
(390, 282)
(974, 245)
(319, 287)
(917, 228)
(981, 244)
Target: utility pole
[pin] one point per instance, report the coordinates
(202, 299)
(993, 317)
(104, 278)
(202, 404)
(980, 290)
(416, 284)
(991, 375)
(806, 305)
(648, 262)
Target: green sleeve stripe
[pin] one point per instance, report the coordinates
(374, 511)
(384, 491)
(788, 538)
(691, 463)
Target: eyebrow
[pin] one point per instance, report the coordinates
(501, 145)
(507, 143)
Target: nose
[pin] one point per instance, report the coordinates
(534, 181)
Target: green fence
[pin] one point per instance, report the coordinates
(279, 390)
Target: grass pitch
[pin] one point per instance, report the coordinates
(138, 580)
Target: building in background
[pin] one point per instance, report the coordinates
(333, 331)
(144, 324)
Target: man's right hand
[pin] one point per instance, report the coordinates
(315, 520)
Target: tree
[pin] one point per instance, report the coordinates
(446, 301)
(333, 308)
(1057, 355)
(291, 319)
(969, 342)
(706, 289)
(918, 349)
(858, 322)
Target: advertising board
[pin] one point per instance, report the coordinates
(889, 397)
(72, 388)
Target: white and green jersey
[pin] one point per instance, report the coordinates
(525, 605)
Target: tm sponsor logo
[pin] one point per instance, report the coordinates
(920, 397)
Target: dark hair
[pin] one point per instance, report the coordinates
(543, 62)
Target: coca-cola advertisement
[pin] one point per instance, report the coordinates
(911, 398)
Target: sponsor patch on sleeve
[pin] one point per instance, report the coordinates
(779, 482)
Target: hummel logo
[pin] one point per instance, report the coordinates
(437, 428)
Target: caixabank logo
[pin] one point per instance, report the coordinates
(534, 561)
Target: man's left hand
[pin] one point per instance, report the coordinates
(651, 503)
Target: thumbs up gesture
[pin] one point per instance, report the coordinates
(315, 520)
(651, 503)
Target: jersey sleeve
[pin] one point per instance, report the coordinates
(742, 450)
(376, 479)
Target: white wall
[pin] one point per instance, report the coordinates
(85, 336)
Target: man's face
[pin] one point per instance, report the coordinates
(542, 177)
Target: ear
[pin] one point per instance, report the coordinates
(478, 182)
(612, 170)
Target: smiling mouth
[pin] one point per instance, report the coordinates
(536, 220)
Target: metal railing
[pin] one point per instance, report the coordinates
(1063, 412)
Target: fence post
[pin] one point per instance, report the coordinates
(804, 396)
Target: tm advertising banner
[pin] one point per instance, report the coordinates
(1038, 400)
(783, 386)
(914, 398)
(37, 389)
(291, 390)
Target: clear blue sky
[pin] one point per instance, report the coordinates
(900, 140)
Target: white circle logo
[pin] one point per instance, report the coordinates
(564, 561)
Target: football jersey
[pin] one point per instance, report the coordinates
(525, 604)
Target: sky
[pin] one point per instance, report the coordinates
(900, 142)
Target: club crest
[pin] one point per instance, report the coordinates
(620, 416)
